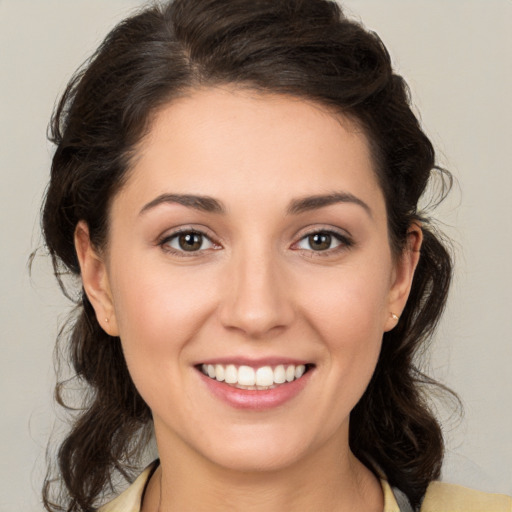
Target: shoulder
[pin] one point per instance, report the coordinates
(131, 499)
(443, 497)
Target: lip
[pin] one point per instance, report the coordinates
(251, 399)
(253, 362)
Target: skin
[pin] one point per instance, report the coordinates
(255, 288)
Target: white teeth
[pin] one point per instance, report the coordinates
(264, 376)
(231, 374)
(246, 377)
(299, 371)
(290, 373)
(219, 372)
(279, 374)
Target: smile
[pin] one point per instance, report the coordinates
(260, 379)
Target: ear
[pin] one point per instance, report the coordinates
(405, 266)
(95, 281)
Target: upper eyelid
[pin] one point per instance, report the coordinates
(344, 238)
(311, 230)
(173, 232)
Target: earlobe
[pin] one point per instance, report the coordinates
(95, 280)
(404, 273)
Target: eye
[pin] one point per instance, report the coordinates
(321, 241)
(187, 241)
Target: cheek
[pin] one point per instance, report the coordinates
(350, 302)
(159, 310)
(158, 302)
(348, 312)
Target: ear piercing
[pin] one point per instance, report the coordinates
(107, 320)
(395, 317)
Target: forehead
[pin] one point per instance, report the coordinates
(230, 142)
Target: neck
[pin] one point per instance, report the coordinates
(331, 479)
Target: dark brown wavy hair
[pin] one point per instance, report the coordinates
(303, 48)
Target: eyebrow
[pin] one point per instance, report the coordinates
(297, 206)
(202, 203)
(309, 203)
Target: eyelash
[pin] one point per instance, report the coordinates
(165, 241)
(345, 242)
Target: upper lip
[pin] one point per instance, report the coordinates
(254, 362)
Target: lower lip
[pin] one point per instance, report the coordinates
(256, 399)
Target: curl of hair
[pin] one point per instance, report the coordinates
(304, 48)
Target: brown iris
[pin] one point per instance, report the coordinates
(190, 241)
(320, 241)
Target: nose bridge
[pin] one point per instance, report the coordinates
(255, 301)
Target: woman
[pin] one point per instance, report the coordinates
(236, 184)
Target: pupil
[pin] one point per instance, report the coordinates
(190, 241)
(320, 241)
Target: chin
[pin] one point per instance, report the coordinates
(257, 458)
(260, 449)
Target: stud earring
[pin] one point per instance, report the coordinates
(106, 320)
(395, 317)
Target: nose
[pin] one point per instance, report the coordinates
(257, 297)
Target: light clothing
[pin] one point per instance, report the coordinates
(131, 499)
(443, 497)
(440, 497)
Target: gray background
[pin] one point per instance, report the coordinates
(457, 58)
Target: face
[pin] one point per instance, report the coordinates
(249, 276)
